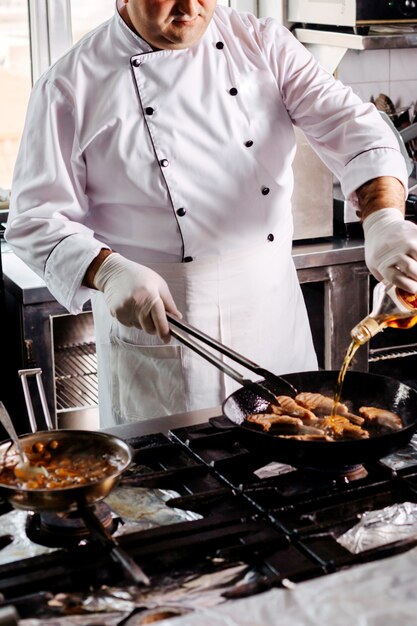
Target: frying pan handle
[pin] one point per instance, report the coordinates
(32, 419)
(131, 569)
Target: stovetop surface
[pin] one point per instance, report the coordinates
(279, 525)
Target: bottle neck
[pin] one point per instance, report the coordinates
(391, 307)
(365, 330)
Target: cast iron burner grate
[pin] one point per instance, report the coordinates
(284, 527)
(66, 529)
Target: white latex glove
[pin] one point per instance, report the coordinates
(391, 248)
(136, 295)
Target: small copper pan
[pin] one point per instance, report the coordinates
(71, 442)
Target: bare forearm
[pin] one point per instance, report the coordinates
(93, 267)
(380, 193)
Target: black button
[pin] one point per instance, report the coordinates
(187, 259)
(233, 91)
(136, 62)
(219, 45)
(149, 110)
(265, 191)
(181, 211)
(164, 163)
(249, 143)
(270, 237)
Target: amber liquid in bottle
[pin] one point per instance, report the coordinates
(394, 308)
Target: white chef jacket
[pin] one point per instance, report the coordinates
(181, 160)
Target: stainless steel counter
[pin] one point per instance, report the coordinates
(21, 281)
(334, 251)
(163, 424)
(338, 266)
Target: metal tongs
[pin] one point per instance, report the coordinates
(256, 387)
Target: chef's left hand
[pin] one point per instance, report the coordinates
(391, 248)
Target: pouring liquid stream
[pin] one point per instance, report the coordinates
(360, 336)
(351, 351)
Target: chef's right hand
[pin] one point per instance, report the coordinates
(391, 248)
(136, 295)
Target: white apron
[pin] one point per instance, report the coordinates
(249, 301)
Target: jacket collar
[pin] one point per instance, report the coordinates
(135, 43)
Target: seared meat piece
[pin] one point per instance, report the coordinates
(271, 422)
(319, 404)
(322, 437)
(382, 417)
(291, 407)
(355, 419)
(277, 410)
(309, 417)
(310, 430)
(341, 428)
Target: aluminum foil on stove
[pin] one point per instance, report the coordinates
(135, 606)
(406, 457)
(139, 509)
(14, 524)
(273, 469)
(142, 508)
(381, 527)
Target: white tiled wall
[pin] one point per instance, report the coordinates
(392, 72)
(368, 72)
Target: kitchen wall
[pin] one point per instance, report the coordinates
(368, 72)
(392, 72)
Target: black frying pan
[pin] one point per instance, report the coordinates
(359, 389)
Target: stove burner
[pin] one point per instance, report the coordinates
(345, 474)
(276, 526)
(58, 530)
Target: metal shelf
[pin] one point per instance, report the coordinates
(329, 47)
(356, 42)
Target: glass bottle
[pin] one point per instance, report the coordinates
(392, 307)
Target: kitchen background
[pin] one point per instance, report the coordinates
(38, 332)
(392, 72)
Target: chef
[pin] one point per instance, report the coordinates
(154, 175)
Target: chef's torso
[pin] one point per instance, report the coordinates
(208, 171)
(190, 150)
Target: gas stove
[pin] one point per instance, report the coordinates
(231, 523)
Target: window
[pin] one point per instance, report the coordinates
(86, 15)
(15, 82)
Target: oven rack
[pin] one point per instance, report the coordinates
(76, 376)
(394, 352)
